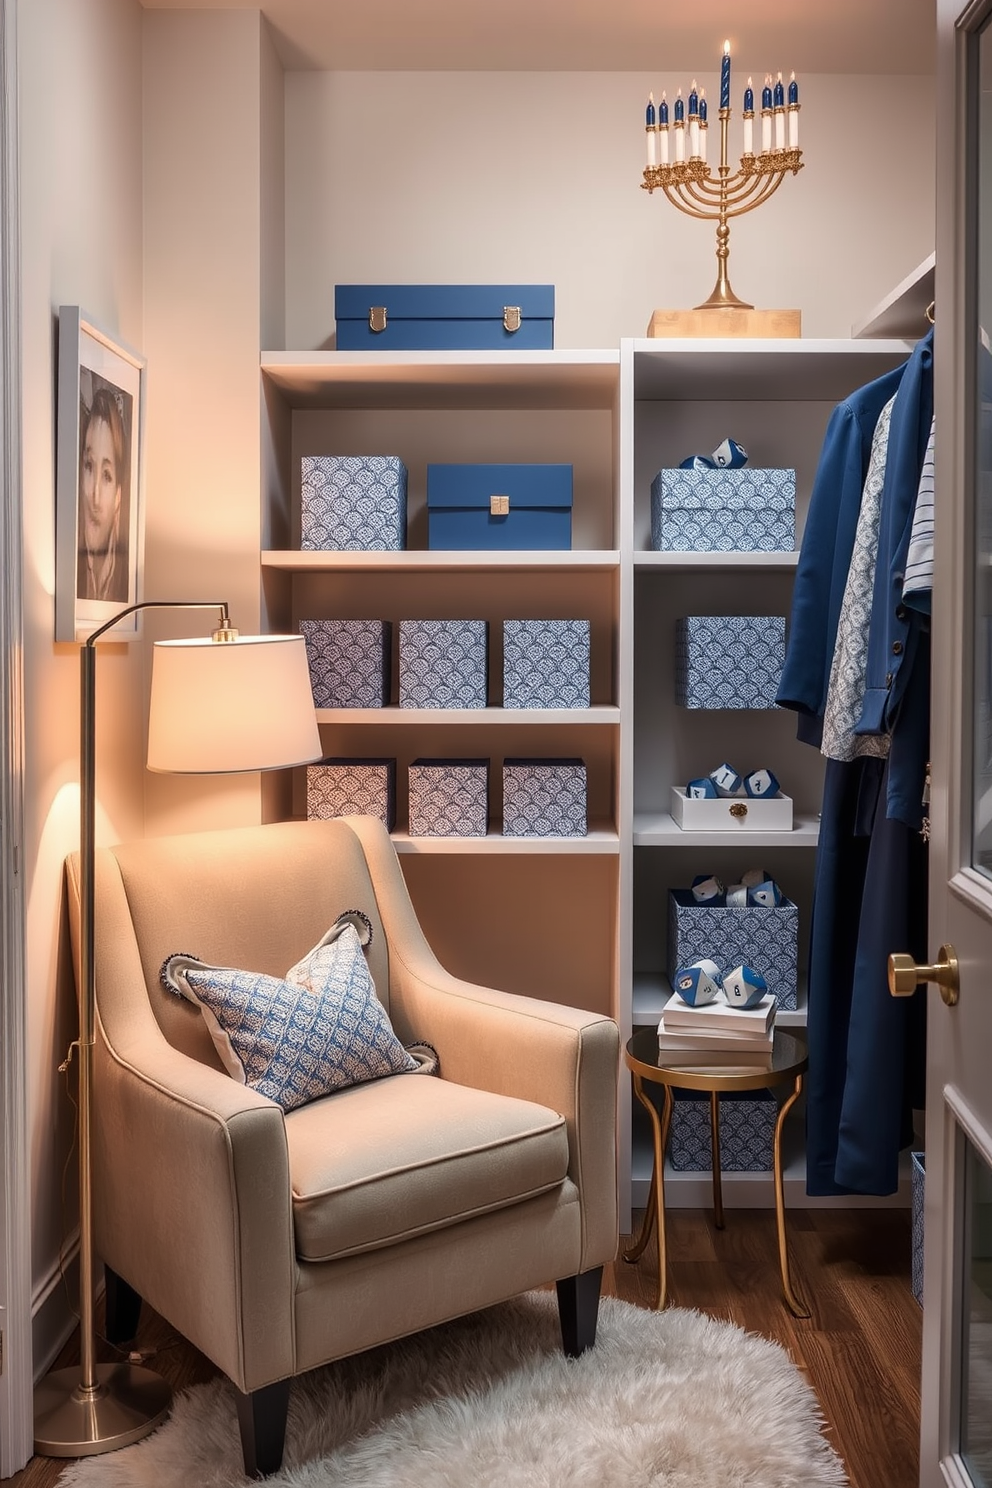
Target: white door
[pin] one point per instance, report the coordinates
(956, 1439)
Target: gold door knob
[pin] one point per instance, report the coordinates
(905, 975)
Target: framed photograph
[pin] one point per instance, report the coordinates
(99, 535)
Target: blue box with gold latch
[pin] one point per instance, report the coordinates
(444, 317)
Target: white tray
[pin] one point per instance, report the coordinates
(731, 813)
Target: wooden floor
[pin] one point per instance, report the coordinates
(860, 1350)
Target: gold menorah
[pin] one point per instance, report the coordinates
(690, 185)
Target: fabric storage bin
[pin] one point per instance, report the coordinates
(449, 797)
(765, 939)
(349, 662)
(443, 663)
(444, 317)
(353, 503)
(352, 787)
(545, 663)
(728, 661)
(499, 507)
(723, 511)
(919, 1194)
(747, 1132)
(544, 798)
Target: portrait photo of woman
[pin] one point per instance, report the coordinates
(104, 491)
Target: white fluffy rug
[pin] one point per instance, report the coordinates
(664, 1400)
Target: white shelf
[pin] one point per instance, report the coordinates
(774, 370)
(903, 312)
(659, 829)
(732, 561)
(459, 379)
(651, 992)
(418, 561)
(567, 717)
(598, 842)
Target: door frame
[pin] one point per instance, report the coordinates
(16, 1364)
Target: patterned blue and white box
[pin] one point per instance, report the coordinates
(747, 1132)
(443, 663)
(544, 798)
(349, 662)
(352, 787)
(728, 661)
(449, 797)
(353, 503)
(767, 939)
(919, 1194)
(545, 663)
(724, 511)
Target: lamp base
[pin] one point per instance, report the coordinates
(731, 322)
(128, 1403)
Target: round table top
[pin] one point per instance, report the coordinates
(789, 1059)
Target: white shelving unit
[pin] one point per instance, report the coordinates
(679, 398)
(579, 920)
(533, 915)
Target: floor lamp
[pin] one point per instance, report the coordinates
(219, 704)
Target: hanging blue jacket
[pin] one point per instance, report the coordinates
(825, 558)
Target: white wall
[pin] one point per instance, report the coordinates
(534, 178)
(80, 177)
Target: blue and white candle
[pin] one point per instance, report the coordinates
(704, 128)
(749, 118)
(679, 128)
(693, 122)
(725, 77)
(793, 89)
(766, 115)
(663, 131)
(651, 132)
(779, 114)
(793, 113)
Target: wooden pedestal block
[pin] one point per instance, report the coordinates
(730, 323)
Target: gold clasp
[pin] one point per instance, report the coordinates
(739, 810)
(499, 506)
(377, 318)
(511, 317)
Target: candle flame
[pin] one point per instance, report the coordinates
(650, 98)
(726, 48)
(694, 85)
(792, 77)
(750, 84)
(780, 77)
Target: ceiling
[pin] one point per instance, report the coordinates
(846, 36)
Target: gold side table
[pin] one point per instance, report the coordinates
(643, 1059)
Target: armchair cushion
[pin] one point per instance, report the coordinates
(294, 1039)
(377, 1164)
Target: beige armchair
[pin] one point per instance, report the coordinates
(278, 1241)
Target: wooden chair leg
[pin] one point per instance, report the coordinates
(123, 1306)
(262, 1419)
(578, 1309)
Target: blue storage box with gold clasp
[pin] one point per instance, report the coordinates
(444, 317)
(499, 506)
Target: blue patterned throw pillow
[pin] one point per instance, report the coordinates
(320, 1028)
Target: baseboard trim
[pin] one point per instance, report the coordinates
(53, 1320)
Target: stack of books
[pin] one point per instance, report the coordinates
(716, 1034)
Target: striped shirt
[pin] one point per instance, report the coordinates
(919, 559)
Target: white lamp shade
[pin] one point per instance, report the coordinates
(222, 706)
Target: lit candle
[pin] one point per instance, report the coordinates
(793, 89)
(704, 127)
(679, 128)
(679, 108)
(649, 125)
(663, 130)
(693, 100)
(766, 116)
(779, 111)
(725, 77)
(749, 118)
(693, 121)
(749, 97)
(779, 93)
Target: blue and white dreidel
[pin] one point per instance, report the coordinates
(754, 876)
(760, 785)
(707, 889)
(744, 987)
(729, 455)
(699, 983)
(737, 896)
(726, 780)
(703, 789)
(765, 895)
